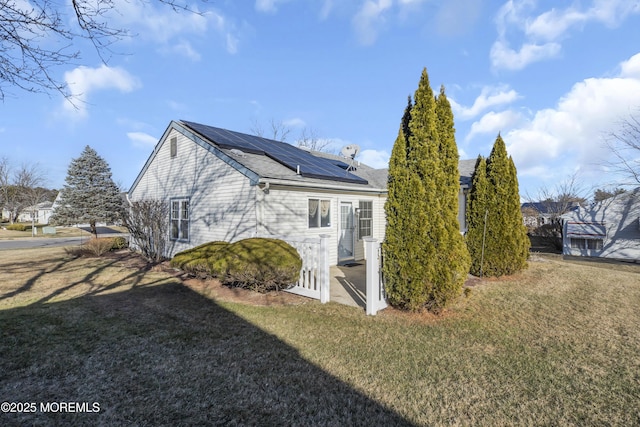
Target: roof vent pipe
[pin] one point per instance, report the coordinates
(298, 169)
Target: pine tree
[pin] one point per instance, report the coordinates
(425, 260)
(506, 245)
(89, 195)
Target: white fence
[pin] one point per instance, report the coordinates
(376, 299)
(314, 276)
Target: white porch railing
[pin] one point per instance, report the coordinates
(376, 299)
(314, 275)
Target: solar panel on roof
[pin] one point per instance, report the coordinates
(292, 157)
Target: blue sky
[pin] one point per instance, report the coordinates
(552, 76)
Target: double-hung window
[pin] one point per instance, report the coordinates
(179, 219)
(594, 244)
(365, 218)
(319, 213)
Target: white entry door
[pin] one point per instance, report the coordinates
(346, 233)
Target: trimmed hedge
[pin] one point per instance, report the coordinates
(262, 265)
(119, 243)
(208, 260)
(17, 227)
(258, 264)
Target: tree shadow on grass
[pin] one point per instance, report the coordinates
(165, 355)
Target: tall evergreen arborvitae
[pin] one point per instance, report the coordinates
(448, 149)
(425, 260)
(478, 203)
(454, 261)
(401, 269)
(506, 245)
(89, 195)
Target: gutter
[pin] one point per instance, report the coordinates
(267, 182)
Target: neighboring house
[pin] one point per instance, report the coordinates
(607, 229)
(42, 212)
(536, 214)
(225, 185)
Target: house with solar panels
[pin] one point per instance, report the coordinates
(607, 229)
(225, 185)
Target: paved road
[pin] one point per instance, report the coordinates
(40, 242)
(50, 242)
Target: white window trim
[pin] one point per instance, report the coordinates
(320, 202)
(360, 219)
(180, 219)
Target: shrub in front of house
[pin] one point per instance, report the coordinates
(207, 260)
(17, 227)
(98, 246)
(258, 264)
(262, 265)
(119, 243)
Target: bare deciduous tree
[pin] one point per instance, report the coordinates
(30, 180)
(309, 139)
(278, 131)
(147, 222)
(20, 188)
(624, 146)
(39, 35)
(5, 182)
(551, 204)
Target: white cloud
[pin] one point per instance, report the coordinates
(141, 139)
(544, 32)
(503, 57)
(177, 106)
(378, 159)
(492, 123)
(553, 24)
(612, 12)
(185, 49)
(557, 141)
(162, 24)
(489, 97)
(268, 6)
(456, 17)
(82, 80)
(631, 68)
(369, 19)
(295, 122)
(327, 7)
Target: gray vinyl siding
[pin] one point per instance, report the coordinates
(222, 200)
(620, 215)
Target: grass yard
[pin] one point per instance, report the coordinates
(557, 345)
(60, 232)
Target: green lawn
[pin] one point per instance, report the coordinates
(556, 345)
(60, 232)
